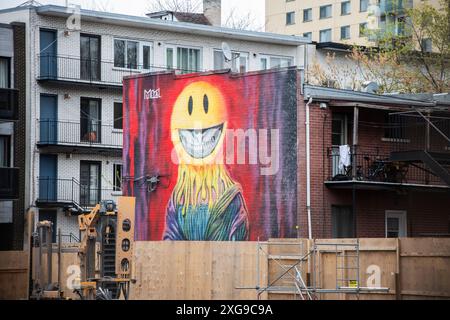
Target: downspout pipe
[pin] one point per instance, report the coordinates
(308, 168)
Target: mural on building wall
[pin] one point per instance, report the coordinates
(212, 156)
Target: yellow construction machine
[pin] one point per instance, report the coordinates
(100, 250)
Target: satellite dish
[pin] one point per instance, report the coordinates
(226, 50)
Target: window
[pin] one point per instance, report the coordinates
(118, 115)
(117, 177)
(427, 45)
(342, 222)
(146, 51)
(308, 35)
(239, 62)
(125, 54)
(90, 55)
(396, 224)
(271, 62)
(325, 35)
(307, 15)
(90, 120)
(338, 129)
(132, 54)
(264, 65)
(185, 59)
(345, 32)
(363, 5)
(345, 8)
(90, 183)
(6, 212)
(395, 127)
(325, 11)
(363, 29)
(290, 18)
(5, 151)
(5, 72)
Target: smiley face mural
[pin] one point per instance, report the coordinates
(206, 203)
(224, 149)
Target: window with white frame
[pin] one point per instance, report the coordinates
(325, 35)
(184, 59)
(396, 224)
(239, 61)
(132, 54)
(271, 62)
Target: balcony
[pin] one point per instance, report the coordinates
(85, 72)
(75, 137)
(397, 149)
(9, 100)
(9, 183)
(368, 170)
(70, 194)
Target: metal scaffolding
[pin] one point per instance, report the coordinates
(299, 268)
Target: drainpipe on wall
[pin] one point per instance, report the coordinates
(308, 169)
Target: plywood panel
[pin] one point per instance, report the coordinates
(196, 270)
(14, 267)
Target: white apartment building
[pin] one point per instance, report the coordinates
(76, 61)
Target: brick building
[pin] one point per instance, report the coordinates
(395, 182)
(12, 135)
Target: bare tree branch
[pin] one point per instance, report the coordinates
(190, 6)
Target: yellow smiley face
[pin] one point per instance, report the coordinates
(198, 123)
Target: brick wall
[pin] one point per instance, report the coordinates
(427, 211)
(20, 138)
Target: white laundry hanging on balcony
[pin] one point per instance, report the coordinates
(344, 156)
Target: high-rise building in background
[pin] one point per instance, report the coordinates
(340, 21)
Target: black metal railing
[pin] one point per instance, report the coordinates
(90, 133)
(68, 238)
(374, 167)
(9, 101)
(412, 132)
(9, 183)
(71, 191)
(67, 68)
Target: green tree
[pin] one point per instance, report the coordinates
(421, 41)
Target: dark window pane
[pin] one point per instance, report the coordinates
(119, 53)
(117, 177)
(132, 49)
(342, 222)
(146, 57)
(118, 117)
(5, 151)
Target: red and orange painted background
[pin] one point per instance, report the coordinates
(212, 156)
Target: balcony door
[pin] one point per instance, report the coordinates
(48, 177)
(48, 119)
(48, 52)
(90, 120)
(338, 138)
(90, 58)
(90, 183)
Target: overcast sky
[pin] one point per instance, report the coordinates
(140, 7)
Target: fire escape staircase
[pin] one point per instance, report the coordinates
(436, 163)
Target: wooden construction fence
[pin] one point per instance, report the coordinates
(14, 275)
(409, 268)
